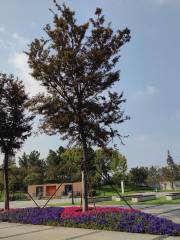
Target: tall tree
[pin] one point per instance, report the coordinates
(76, 63)
(15, 125)
(172, 169)
(170, 161)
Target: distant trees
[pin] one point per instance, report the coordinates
(32, 167)
(62, 165)
(153, 178)
(111, 164)
(76, 63)
(103, 164)
(54, 165)
(138, 175)
(15, 125)
(118, 167)
(72, 158)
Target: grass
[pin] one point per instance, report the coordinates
(107, 190)
(161, 200)
(65, 204)
(129, 189)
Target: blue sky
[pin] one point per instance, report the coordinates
(150, 68)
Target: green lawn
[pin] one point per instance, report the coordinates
(63, 204)
(107, 190)
(161, 200)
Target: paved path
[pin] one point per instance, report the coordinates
(36, 232)
(21, 204)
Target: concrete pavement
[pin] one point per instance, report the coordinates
(171, 212)
(29, 203)
(38, 232)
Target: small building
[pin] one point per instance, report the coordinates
(47, 190)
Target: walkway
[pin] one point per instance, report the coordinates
(36, 232)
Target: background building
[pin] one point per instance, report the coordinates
(47, 190)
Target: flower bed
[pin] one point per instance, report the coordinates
(117, 219)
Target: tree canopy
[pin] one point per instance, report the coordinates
(76, 63)
(15, 125)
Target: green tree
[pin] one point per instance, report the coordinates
(111, 164)
(72, 161)
(54, 163)
(138, 175)
(15, 124)
(32, 167)
(103, 159)
(15, 179)
(76, 63)
(153, 178)
(118, 167)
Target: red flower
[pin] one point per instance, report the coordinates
(71, 212)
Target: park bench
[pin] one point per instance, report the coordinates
(172, 196)
(143, 198)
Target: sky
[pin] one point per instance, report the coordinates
(149, 64)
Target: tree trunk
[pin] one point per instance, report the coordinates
(84, 191)
(84, 176)
(6, 182)
(72, 195)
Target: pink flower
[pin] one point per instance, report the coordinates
(71, 212)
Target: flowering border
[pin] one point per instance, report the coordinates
(107, 218)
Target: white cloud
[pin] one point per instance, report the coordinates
(148, 91)
(2, 44)
(2, 29)
(19, 39)
(22, 70)
(11, 41)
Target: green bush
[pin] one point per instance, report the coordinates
(18, 196)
